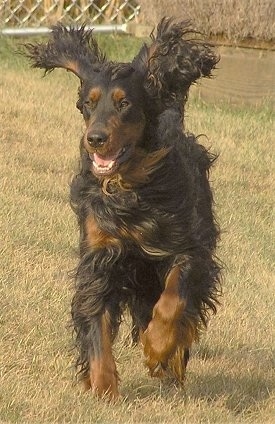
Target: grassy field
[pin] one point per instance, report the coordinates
(231, 377)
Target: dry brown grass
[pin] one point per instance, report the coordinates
(231, 376)
(234, 20)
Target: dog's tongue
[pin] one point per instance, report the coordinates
(100, 161)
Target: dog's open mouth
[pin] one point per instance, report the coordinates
(106, 165)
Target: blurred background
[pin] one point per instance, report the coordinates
(243, 31)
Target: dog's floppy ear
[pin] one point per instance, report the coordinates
(175, 59)
(72, 49)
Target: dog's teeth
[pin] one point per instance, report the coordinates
(103, 169)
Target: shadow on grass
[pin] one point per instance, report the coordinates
(242, 385)
(241, 393)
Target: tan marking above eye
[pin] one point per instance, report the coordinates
(118, 94)
(95, 94)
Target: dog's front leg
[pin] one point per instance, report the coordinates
(102, 375)
(170, 333)
(96, 310)
(94, 337)
(95, 314)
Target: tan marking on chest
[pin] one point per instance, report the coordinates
(96, 238)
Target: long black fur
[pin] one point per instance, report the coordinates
(171, 209)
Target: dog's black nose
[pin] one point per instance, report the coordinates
(97, 139)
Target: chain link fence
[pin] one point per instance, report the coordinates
(27, 16)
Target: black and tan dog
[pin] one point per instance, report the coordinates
(142, 198)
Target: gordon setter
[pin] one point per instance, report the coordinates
(142, 198)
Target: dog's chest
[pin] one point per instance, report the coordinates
(132, 221)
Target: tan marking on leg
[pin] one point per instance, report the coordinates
(103, 378)
(169, 332)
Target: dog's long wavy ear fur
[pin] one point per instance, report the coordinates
(175, 59)
(72, 49)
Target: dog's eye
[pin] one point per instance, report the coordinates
(123, 104)
(90, 105)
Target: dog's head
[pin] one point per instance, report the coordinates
(120, 100)
(111, 102)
